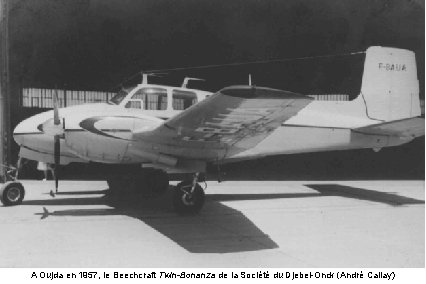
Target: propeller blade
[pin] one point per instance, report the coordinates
(57, 140)
(57, 158)
(56, 119)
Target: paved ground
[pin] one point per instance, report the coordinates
(243, 224)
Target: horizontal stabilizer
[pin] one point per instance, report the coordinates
(410, 128)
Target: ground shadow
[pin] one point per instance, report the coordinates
(217, 229)
(364, 194)
(66, 201)
(88, 192)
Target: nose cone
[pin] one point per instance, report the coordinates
(30, 127)
(18, 133)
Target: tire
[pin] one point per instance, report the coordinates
(12, 193)
(185, 204)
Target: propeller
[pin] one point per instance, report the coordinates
(56, 141)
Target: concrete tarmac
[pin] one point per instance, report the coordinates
(243, 224)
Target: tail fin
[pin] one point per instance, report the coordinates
(390, 87)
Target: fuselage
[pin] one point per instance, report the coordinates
(377, 118)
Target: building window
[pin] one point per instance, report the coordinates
(43, 98)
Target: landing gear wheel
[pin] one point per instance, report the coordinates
(12, 193)
(185, 202)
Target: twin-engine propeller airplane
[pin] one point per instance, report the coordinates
(152, 130)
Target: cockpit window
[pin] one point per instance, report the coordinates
(116, 100)
(150, 98)
(183, 99)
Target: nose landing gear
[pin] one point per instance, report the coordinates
(189, 196)
(12, 192)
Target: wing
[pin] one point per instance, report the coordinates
(409, 128)
(234, 119)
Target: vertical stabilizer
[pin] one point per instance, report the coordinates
(390, 87)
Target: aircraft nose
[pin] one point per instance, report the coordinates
(28, 128)
(20, 131)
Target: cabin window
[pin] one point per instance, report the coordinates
(150, 99)
(134, 104)
(183, 99)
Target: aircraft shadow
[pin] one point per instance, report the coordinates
(388, 198)
(88, 192)
(217, 229)
(66, 201)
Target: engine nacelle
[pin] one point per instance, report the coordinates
(103, 139)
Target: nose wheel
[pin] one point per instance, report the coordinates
(188, 197)
(12, 193)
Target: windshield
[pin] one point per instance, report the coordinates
(116, 100)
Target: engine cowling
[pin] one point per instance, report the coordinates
(103, 138)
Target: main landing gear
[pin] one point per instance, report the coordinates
(188, 197)
(12, 192)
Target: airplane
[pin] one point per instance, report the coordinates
(149, 131)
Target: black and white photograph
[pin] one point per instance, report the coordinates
(212, 134)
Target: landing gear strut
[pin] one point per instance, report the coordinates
(189, 196)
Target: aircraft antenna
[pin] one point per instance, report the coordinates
(187, 79)
(256, 62)
(156, 71)
(152, 74)
(144, 78)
